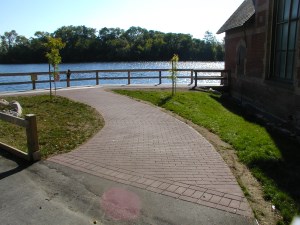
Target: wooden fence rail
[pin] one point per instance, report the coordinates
(224, 78)
(194, 77)
(30, 124)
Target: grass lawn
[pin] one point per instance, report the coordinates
(62, 124)
(273, 159)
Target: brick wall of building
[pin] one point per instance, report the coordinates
(255, 55)
(255, 87)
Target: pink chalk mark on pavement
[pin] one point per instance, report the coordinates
(120, 204)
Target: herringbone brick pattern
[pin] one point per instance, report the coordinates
(144, 147)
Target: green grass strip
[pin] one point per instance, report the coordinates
(273, 159)
(62, 124)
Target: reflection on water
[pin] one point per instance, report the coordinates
(23, 68)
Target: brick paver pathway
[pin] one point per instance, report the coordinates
(144, 147)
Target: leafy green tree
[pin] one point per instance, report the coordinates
(3, 45)
(158, 44)
(37, 46)
(210, 38)
(214, 49)
(21, 50)
(11, 38)
(136, 37)
(54, 45)
(174, 62)
(84, 44)
(8, 42)
(79, 40)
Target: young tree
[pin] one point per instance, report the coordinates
(174, 62)
(54, 45)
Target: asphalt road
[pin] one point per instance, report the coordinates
(48, 193)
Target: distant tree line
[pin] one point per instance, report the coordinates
(85, 44)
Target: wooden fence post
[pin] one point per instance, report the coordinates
(32, 138)
(160, 77)
(68, 75)
(97, 77)
(128, 77)
(196, 80)
(223, 76)
(192, 77)
(33, 85)
(33, 80)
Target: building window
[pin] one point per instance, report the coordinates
(285, 36)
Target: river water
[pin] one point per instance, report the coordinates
(24, 68)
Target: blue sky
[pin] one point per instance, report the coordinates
(185, 16)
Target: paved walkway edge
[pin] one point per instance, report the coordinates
(134, 149)
(203, 196)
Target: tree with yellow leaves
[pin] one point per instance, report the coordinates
(54, 45)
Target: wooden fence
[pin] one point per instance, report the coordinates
(30, 124)
(224, 77)
(194, 76)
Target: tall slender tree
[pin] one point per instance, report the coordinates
(54, 45)
(174, 62)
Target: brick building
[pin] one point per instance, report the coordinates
(262, 44)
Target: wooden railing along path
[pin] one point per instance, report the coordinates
(194, 76)
(33, 153)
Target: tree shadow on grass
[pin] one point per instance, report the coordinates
(164, 100)
(284, 172)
